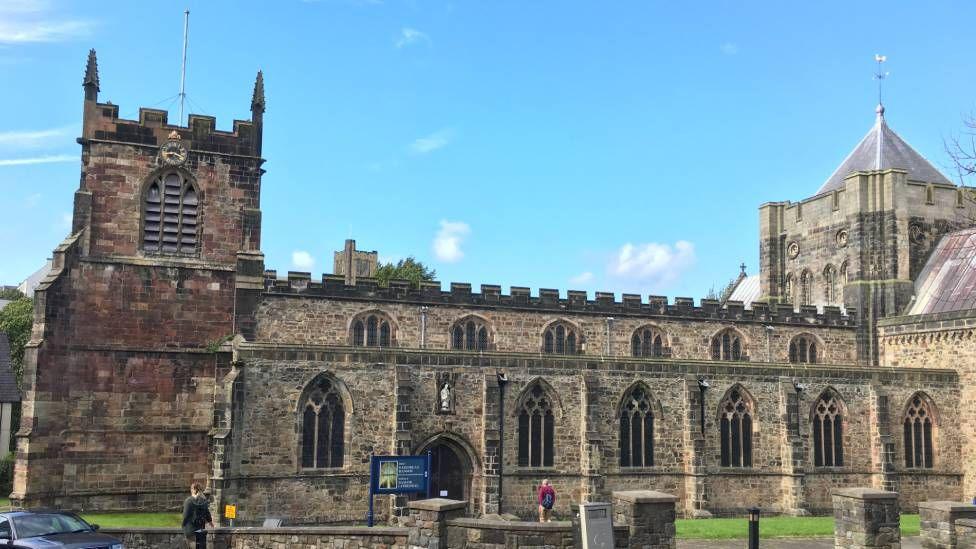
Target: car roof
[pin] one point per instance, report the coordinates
(25, 512)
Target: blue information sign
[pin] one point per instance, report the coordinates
(397, 475)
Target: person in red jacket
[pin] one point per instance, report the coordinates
(547, 498)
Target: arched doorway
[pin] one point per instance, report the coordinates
(450, 469)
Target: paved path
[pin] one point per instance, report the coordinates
(805, 543)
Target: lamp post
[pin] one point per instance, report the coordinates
(754, 528)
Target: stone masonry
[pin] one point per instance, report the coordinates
(864, 517)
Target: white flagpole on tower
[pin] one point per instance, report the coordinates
(186, 32)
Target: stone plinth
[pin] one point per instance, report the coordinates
(428, 521)
(649, 517)
(939, 520)
(865, 517)
(966, 534)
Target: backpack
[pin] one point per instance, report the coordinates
(548, 499)
(199, 515)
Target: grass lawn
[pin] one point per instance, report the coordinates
(772, 527)
(123, 520)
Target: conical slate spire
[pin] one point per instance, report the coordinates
(91, 71)
(257, 100)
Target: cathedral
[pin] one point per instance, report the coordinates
(164, 352)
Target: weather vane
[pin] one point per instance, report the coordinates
(881, 74)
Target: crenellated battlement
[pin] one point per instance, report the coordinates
(519, 297)
(102, 123)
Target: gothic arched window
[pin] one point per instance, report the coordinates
(727, 345)
(845, 276)
(470, 334)
(788, 288)
(372, 330)
(536, 428)
(561, 338)
(830, 284)
(803, 349)
(918, 433)
(806, 288)
(636, 429)
(735, 423)
(323, 421)
(828, 431)
(647, 342)
(170, 218)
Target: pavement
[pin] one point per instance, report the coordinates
(802, 543)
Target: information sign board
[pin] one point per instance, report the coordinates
(399, 474)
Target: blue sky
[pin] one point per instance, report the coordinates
(619, 146)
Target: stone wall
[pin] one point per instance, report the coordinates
(939, 521)
(866, 518)
(966, 534)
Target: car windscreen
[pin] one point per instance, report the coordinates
(43, 524)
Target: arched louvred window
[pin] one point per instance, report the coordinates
(830, 284)
(803, 349)
(562, 339)
(844, 274)
(728, 345)
(536, 425)
(918, 427)
(636, 429)
(789, 289)
(735, 424)
(323, 425)
(806, 288)
(470, 334)
(828, 431)
(647, 342)
(170, 215)
(373, 330)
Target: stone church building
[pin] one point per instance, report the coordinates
(163, 352)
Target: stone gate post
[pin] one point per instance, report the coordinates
(939, 522)
(649, 517)
(866, 518)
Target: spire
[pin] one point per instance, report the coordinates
(91, 76)
(257, 100)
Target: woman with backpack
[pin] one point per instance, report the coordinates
(196, 516)
(547, 498)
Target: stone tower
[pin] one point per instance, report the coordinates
(862, 238)
(164, 250)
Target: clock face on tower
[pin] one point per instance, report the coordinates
(173, 152)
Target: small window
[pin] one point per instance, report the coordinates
(803, 350)
(830, 284)
(470, 334)
(727, 345)
(806, 288)
(647, 342)
(372, 330)
(929, 195)
(170, 215)
(561, 338)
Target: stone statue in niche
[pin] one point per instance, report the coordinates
(446, 397)
(445, 394)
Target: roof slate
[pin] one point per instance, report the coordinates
(882, 149)
(948, 280)
(8, 383)
(747, 290)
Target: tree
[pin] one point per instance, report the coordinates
(10, 293)
(16, 319)
(405, 269)
(962, 149)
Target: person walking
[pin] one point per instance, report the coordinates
(196, 517)
(547, 498)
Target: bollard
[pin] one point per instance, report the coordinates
(754, 528)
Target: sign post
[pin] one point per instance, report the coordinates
(397, 475)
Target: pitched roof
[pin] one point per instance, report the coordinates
(948, 280)
(8, 383)
(882, 149)
(746, 290)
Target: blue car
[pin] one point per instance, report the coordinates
(51, 529)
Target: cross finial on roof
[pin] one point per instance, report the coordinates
(742, 267)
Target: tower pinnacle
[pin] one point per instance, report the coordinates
(257, 100)
(91, 75)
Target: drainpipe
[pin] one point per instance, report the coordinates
(609, 330)
(502, 381)
(423, 327)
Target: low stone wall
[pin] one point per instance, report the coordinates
(864, 517)
(649, 518)
(148, 538)
(468, 533)
(939, 520)
(966, 534)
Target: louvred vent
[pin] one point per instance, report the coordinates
(171, 212)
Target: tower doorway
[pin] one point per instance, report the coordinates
(450, 470)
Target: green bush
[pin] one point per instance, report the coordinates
(6, 473)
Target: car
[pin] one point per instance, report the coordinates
(34, 529)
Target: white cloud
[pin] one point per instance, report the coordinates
(32, 21)
(39, 160)
(434, 141)
(448, 240)
(33, 139)
(652, 263)
(729, 48)
(409, 36)
(582, 278)
(302, 259)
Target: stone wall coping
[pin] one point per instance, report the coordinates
(438, 504)
(324, 530)
(142, 530)
(512, 526)
(865, 493)
(950, 506)
(644, 496)
(969, 523)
